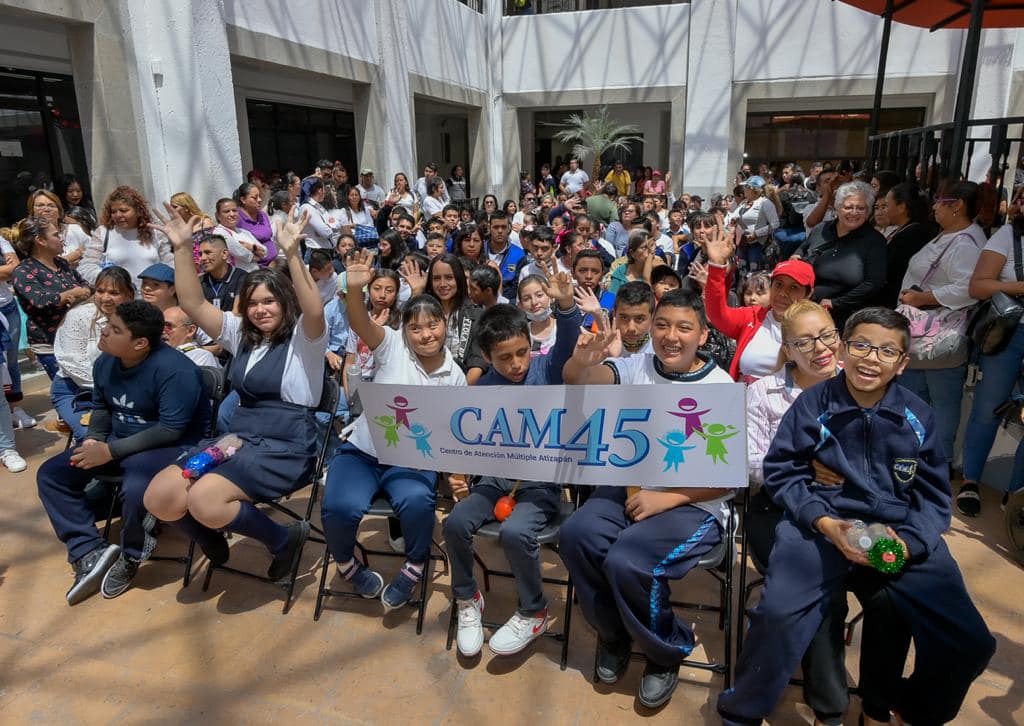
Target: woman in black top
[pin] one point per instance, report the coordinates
(446, 281)
(908, 211)
(848, 255)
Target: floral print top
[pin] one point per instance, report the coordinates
(38, 289)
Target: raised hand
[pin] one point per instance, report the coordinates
(559, 287)
(291, 232)
(698, 273)
(592, 348)
(176, 229)
(587, 301)
(720, 247)
(359, 270)
(381, 318)
(413, 275)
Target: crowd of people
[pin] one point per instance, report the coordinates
(842, 300)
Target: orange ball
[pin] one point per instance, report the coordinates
(503, 508)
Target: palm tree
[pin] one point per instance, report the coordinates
(595, 135)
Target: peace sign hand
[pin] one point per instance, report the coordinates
(592, 348)
(176, 229)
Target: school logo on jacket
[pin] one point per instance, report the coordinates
(904, 470)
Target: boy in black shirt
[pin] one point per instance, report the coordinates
(148, 402)
(220, 280)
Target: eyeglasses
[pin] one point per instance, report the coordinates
(806, 345)
(884, 353)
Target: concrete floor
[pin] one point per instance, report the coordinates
(163, 654)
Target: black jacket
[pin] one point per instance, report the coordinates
(903, 245)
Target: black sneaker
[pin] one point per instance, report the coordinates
(119, 577)
(89, 572)
(658, 684)
(612, 659)
(216, 549)
(968, 500)
(283, 564)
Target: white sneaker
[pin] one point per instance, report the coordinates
(13, 461)
(518, 632)
(20, 419)
(470, 635)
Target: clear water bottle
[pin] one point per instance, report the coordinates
(355, 379)
(863, 536)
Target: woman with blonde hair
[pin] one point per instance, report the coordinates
(44, 203)
(124, 237)
(187, 209)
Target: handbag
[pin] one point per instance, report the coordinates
(997, 318)
(938, 336)
(366, 235)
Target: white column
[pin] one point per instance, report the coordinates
(992, 93)
(501, 155)
(711, 55)
(184, 103)
(384, 108)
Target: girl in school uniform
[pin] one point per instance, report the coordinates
(414, 355)
(279, 345)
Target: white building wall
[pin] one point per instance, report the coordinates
(624, 48)
(346, 27)
(449, 43)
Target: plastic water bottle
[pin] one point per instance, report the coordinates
(863, 536)
(210, 457)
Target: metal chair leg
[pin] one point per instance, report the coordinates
(568, 622)
(451, 624)
(188, 563)
(323, 584)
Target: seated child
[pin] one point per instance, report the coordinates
(882, 440)
(622, 548)
(505, 341)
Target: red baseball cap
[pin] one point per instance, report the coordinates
(797, 269)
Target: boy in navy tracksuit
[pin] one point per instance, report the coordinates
(881, 439)
(504, 335)
(623, 548)
(148, 402)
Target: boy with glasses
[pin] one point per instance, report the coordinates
(881, 441)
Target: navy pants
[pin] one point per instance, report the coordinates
(621, 570)
(354, 480)
(62, 492)
(805, 572)
(536, 504)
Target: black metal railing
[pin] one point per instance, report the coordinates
(477, 5)
(926, 153)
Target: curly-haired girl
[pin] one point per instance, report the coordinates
(124, 237)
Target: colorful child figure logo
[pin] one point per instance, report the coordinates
(421, 436)
(390, 427)
(400, 405)
(691, 417)
(715, 434)
(674, 450)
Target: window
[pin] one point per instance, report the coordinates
(809, 136)
(285, 137)
(40, 136)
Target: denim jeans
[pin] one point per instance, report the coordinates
(999, 374)
(62, 393)
(6, 424)
(49, 363)
(13, 315)
(943, 390)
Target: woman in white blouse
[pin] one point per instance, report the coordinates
(321, 227)
(76, 346)
(354, 211)
(46, 204)
(124, 237)
(243, 247)
(939, 276)
(402, 196)
(756, 218)
(433, 203)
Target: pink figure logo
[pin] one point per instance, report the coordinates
(691, 417)
(400, 406)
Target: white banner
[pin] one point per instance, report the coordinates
(656, 435)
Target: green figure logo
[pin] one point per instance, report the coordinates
(715, 434)
(390, 429)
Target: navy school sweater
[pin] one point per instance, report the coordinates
(891, 458)
(546, 370)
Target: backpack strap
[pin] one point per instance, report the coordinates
(1018, 258)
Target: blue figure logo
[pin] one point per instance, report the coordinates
(422, 437)
(691, 417)
(715, 434)
(674, 450)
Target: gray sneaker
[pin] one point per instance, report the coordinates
(89, 572)
(119, 577)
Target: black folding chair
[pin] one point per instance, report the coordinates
(328, 405)
(380, 507)
(747, 590)
(719, 562)
(548, 537)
